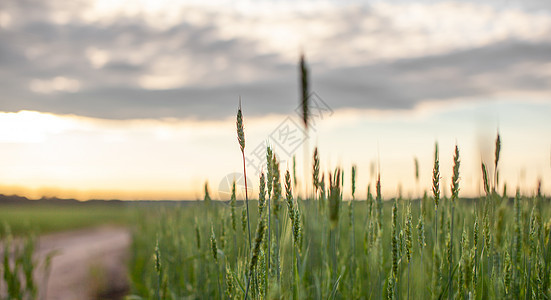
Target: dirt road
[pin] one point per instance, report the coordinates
(89, 264)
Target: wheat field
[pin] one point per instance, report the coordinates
(278, 246)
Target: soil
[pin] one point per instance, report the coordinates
(87, 264)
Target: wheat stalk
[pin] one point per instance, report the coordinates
(269, 185)
(455, 195)
(294, 217)
(422, 242)
(158, 269)
(394, 239)
(276, 198)
(409, 240)
(241, 140)
(436, 189)
(258, 238)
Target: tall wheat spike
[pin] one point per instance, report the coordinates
(269, 185)
(496, 161)
(409, 240)
(305, 105)
(316, 171)
(455, 195)
(394, 246)
(436, 192)
(304, 90)
(241, 140)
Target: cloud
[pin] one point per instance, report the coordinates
(57, 84)
(109, 60)
(481, 72)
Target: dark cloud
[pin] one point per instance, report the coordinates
(195, 103)
(222, 69)
(405, 83)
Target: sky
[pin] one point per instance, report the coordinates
(137, 99)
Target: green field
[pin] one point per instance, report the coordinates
(495, 246)
(44, 218)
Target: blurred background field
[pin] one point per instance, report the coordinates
(48, 218)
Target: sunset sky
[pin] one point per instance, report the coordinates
(137, 99)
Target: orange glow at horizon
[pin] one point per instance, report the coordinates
(84, 158)
(83, 195)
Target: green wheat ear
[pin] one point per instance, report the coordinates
(353, 180)
(421, 231)
(409, 233)
(230, 286)
(241, 140)
(233, 214)
(304, 90)
(262, 193)
(256, 250)
(496, 161)
(294, 171)
(197, 235)
(508, 273)
(277, 192)
(391, 286)
(485, 178)
(288, 190)
(436, 177)
(213, 245)
(316, 170)
(416, 162)
(455, 176)
(498, 150)
(394, 238)
(269, 171)
(207, 198)
(240, 131)
(294, 215)
(158, 265)
(244, 219)
(334, 197)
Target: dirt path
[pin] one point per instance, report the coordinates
(89, 264)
